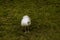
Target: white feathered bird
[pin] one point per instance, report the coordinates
(26, 21)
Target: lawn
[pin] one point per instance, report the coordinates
(44, 14)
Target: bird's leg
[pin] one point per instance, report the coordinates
(28, 30)
(25, 29)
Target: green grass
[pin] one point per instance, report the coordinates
(45, 16)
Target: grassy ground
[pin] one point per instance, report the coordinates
(45, 16)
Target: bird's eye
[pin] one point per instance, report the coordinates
(28, 22)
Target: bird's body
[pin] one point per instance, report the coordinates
(26, 21)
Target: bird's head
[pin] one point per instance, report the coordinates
(26, 16)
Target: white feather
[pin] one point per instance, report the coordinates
(26, 21)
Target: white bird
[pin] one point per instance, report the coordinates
(26, 21)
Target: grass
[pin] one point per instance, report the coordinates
(45, 16)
